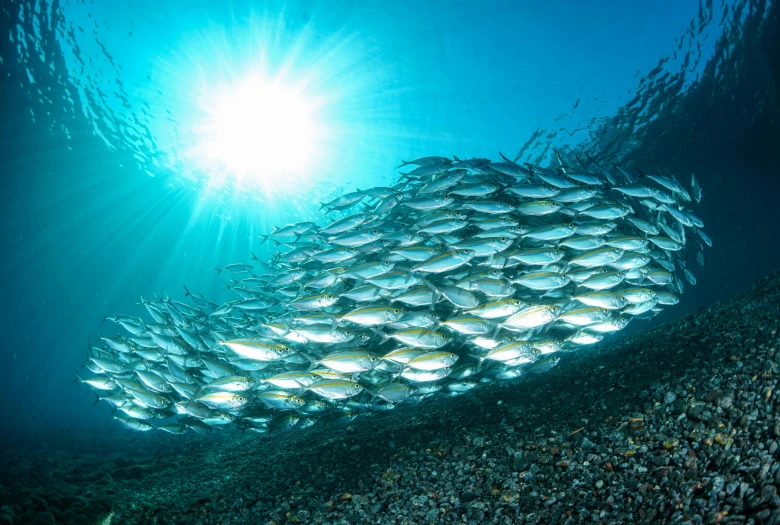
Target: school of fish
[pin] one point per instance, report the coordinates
(464, 271)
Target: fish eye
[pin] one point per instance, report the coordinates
(571, 225)
(504, 239)
(397, 310)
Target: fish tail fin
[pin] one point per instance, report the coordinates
(312, 361)
(397, 375)
(480, 363)
(186, 291)
(436, 293)
(430, 286)
(506, 159)
(380, 333)
(308, 357)
(78, 378)
(198, 392)
(434, 300)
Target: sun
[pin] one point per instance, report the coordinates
(259, 130)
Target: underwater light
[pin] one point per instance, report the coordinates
(260, 130)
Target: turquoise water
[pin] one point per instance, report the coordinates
(107, 196)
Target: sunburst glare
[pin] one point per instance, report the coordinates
(258, 131)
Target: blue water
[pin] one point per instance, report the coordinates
(105, 200)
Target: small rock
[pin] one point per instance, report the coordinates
(467, 496)
(725, 401)
(695, 413)
(519, 463)
(713, 396)
(660, 461)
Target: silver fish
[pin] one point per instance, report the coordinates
(458, 273)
